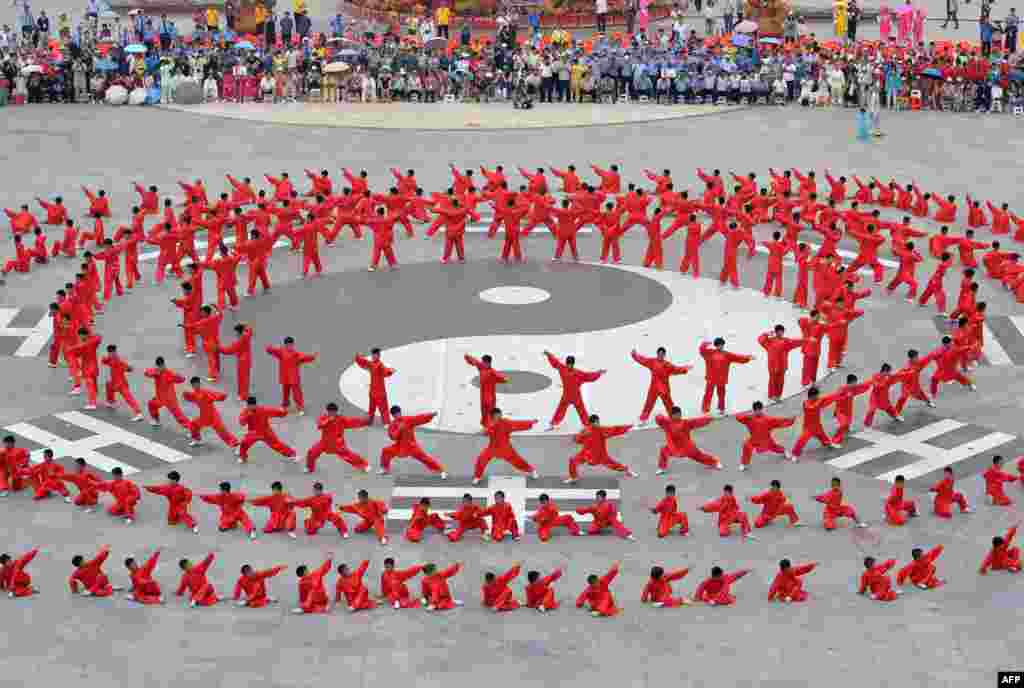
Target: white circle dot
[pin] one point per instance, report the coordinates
(514, 296)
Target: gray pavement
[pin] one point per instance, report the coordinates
(956, 636)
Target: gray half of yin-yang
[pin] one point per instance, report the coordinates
(674, 311)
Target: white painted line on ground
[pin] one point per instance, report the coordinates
(994, 351)
(115, 435)
(83, 448)
(887, 444)
(35, 338)
(940, 458)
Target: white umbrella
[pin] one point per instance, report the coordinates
(336, 67)
(32, 69)
(746, 26)
(137, 97)
(117, 95)
(135, 48)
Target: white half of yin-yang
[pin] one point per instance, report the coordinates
(433, 375)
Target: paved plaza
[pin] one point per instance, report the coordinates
(425, 316)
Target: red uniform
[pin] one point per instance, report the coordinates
(242, 347)
(201, 593)
(760, 428)
(877, 581)
(896, 505)
(332, 441)
(209, 417)
(669, 517)
(778, 349)
(729, 514)
(994, 479)
(1003, 557)
(788, 585)
(774, 504)
(718, 591)
(394, 589)
(540, 595)
(289, 362)
(921, 571)
(834, 508)
(436, 591)
(422, 519)
(402, 431)
(658, 591)
(232, 510)
(572, 381)
(468, 517)
(660, 386)
(499, 445)
(165, 395)
(179, 501)
(594, 452)
(126, 495)
(945, 497)
(378, 391)
(599, 596)
(256, 420)
(282, 512)
(679, 444)
(488, 379)
(717, 363)
(145, 590)
(90, 578)
(372, 514)
(497, 595)
(254, 587)
(547, 519)
(352, 589)
(503, 521)
(312, 593)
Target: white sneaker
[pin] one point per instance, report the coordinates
(742, 467)
(136, 418)
(75, 391)
(633, 474)
(535, 475)
(862, 524)
(631, 537)
(444, 475)
(195, 530)
(968, 510)
(384, 541)
(194, 443)
(898, 419)
(129, 521)
(718, 465)
(396, 605)
(90, 407)
(476, 481)
(750, 536)
(155, 423)
(252, 534)
(660, 471)
(381, 471)
(345, 536)
(292, 535)
(569, 481)
(306, 470)
(298, 610)
(930, 404)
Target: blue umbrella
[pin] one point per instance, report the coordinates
(105, 65)
(1016, 75)
(245, 45)
(741, 40)
(932, 72)
(771, 41)
(135, 48)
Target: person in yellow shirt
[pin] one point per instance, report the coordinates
(576, 74)
(212, 19)
(444, 17)
(298, 6)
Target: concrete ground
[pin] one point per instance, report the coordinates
(956, 636)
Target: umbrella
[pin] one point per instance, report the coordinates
(245, 45)
(32, 69)
(771, 41)
(746, 26)
(436, 42)
(741, 40)
(336, 67)
(135, 48)
(932, 72)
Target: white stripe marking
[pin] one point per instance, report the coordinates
(61, 448)
(942, 457)
(994, 351)
(34, 338)
(912, 443)
(115, 435)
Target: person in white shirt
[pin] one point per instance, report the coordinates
(709, 18)
(210, 90)
(601, 9)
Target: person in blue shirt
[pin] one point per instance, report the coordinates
(985, 28)
(337, 26)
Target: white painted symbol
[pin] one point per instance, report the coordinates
(914, 443)
(516, 494)
(432, 375)
(34, 338)
(514, 296)
(106, 435)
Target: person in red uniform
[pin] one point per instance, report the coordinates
(921, 569)
(351, 588)
(593, 439)
(946, 495)
(85, 353)
(717, 589)
(660, 387)
(256, 420)
(422, 518)
(774, 504)
(206, 400)
(813, 405)
(232, 510)
(572, 381)
(88, 485)
(225, 266)
(290, 360)
(469, 516)
(897, 507)
(503, 519)
(45, 478)
(947, 362)
(118, 382)
(669, 515)
(402, 432)
(788, 585)
(548, 518)
(539, 592)
(717, 362)
(835, 508)
(144, 590)
(13, 577)
(761, 426)
(320, 505)
(499, 430)
(378, 390)
(179, 501)
(125, 493)
(332, 429)
(995, 477)
(876, 581)
(729, 513)
(679, 443)
(165, 395)
(488, 380)
(1002, 557)
(778, 347)
(597, 596)
(658, 590)
(880, 399)
(13, 463)
(437, 596)
(88, 578)
(393, 587)
(495, 593)
(193, 579)
(241, 347)
(372, 513)
(252, 586)
(312, 592)
(282, 510)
